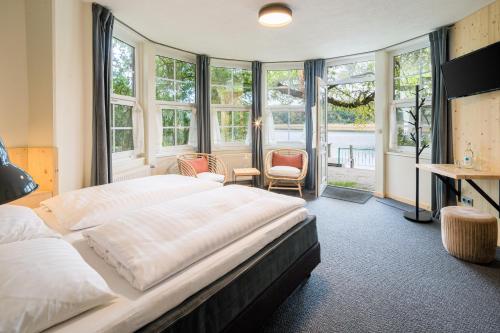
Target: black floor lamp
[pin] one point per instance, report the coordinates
(418, 215)
(15, 183)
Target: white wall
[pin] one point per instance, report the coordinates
(72, 90)
(14, 107)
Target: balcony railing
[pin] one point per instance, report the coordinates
(352, 157)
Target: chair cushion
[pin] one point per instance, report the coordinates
(199, 164)
(215, 177)
(287, 160)
(284, 171)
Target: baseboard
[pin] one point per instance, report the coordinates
(422, 205)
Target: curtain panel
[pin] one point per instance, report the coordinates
(442, 130)
(256, 122)
(312, 70)
(203, 103)
(102, 35)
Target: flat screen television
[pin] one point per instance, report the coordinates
(474, 73)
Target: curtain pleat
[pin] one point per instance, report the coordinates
(102, 35)
(312, 70)
(203, 103)
(257, 152)
(442, 131)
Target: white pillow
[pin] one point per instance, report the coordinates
(213, 177)
(284, 171)
(43, 282)
(21, 223)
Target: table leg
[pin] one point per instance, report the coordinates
(484, 194)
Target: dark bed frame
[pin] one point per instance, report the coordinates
(241, 300)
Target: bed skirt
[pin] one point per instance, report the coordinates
(240, 300)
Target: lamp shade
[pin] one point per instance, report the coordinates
(15, 183)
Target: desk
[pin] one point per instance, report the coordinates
(443, 171)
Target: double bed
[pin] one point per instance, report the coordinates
(233, 287)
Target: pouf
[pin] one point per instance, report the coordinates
(469, 234)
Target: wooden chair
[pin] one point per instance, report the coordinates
(282, 182)
(216, 167)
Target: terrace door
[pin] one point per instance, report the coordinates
(321, 136)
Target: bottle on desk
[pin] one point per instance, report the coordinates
(468, 157)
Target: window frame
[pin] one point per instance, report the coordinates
(160, 104)
(267, 110)
(125, 37)
(394, 104)
(214, 108)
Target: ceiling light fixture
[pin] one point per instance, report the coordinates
(275, 15)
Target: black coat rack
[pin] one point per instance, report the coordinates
(418, 215)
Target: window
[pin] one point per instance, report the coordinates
(231, 102)
(284, 106)
(410, 68)
(175, 97)
(123, 98)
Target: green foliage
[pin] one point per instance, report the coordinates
(349, 103)
(410, 69)
(285, 87)
(231, 86)
(123, 75)
(122, 128)
(175, 80)
(350, 184)
(176, 124)
(233, 125)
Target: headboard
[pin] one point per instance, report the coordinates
(41, 164)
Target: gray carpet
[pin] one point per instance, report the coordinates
(381, 273)
(346, 194)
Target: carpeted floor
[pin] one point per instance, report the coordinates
(381, 273)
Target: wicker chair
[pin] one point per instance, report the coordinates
(215, 166)
(286, 183)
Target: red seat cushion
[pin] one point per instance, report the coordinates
(199, 164)
(287, 160)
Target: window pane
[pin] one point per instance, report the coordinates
(123, 140)
(122, 115)
(165, 90)
(221, 75)
(285, 87)
(123, 67)
(404, 128)
(182, 136)
(278, 96)
(297, 118)
(168, 117)
(240, 134)
(225, 118)
(185, 92)
(168, 137)
(185, 71)
(221, 95)
(280, 118)
(410, 69)
(226, 134)
(165, 67)
(241, 118)
(364, 70)
(278, 78)
(183, 118)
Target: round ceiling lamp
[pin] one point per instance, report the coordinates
(275, 15)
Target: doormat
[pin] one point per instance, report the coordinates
(346, 194)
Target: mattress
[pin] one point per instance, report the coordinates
(133, 309)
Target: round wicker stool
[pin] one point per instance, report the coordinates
(469, 234)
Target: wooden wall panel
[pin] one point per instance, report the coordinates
(476, 119)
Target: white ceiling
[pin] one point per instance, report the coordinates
(320, 28)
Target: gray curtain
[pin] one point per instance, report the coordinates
(102, 35)
(203, 103)
(312, 70)
(257, 154)
(442, 135)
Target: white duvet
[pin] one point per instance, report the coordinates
(151, 244)
(91, 206)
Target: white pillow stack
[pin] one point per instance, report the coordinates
(43, 279)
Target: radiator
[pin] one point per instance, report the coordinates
(236, 160)
(143, 171)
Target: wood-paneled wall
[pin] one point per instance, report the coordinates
(476, 119)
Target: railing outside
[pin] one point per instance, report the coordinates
(353, 157)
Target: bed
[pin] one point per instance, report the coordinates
(232, 289)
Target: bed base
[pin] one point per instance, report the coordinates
(241, 300)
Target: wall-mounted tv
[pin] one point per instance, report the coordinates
(474, 73)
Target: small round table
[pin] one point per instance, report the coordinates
(245, 172)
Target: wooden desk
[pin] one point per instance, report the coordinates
(241, 172)
(443, 171)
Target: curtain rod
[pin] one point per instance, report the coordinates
(270, 62)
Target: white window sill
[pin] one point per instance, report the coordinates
(174, 151)
(124, 164)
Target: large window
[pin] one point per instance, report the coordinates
(123, 97)
(410, 68)
(175, 97)
(231, 102)
(285, 106)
